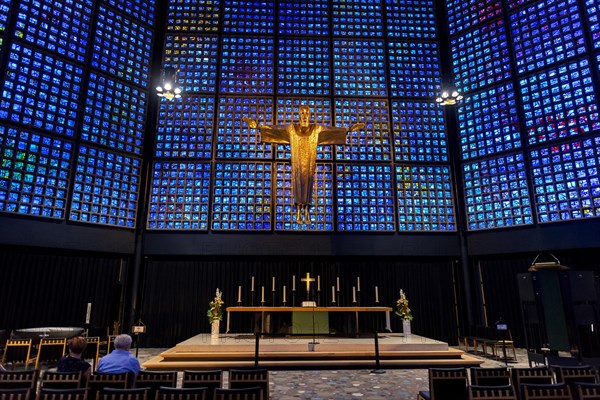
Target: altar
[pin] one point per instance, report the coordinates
(304, 320)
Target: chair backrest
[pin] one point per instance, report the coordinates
(588, 391)
(19, 379)
(155, 379)
(534, 375)
(110, 343)
(490, 376)
(506, 392)
(17, 394)
(123, 394)
(17, 351)
(570, 375)
(554, 391)
(252, 393)
(99, 381)
(62, 394)
(61, 380)
(212, 380)
(50, 351)
(448, 383)
(171, 393)
(92, 350)
(247, 378)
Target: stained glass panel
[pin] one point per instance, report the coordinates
(414, 69)
(357, 18)
(193, 16)
(141, 10)
(359, 68)
(413, 19)
(464, 14)
(247, 65)
(303, 67)
(304, 17)
(246, 16)
(195, 57)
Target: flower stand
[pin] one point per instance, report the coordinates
(406, 327)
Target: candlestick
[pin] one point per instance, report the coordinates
(293, 283)
(338, 283)
(273, 283)
(333, 294)
(262, 294)
(353, 294)
(252, 285)
(319, 283)
(358, 283)
(376, 294)
(239, 294)
(284, 293)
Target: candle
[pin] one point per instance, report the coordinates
(353, 294)
(319, 283)
(358, 284)
(338, 283)
(284, 293)
(252, 285)
(376, 294)
(333, 294)
(262, 294)
(88, 313)
(239, 294)
(273, 283)
(294, 283)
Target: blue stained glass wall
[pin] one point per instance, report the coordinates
(359, 68)
(304, 67)
(247, 65)
(195, 57)
(4, 11)
(357, 18)
(411, 19)
(592, 8)
(186, 16)
(414, 69)
(304, 17)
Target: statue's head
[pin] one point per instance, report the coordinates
(304, 115)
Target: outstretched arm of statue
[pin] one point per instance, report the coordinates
(251, 122)
(268, 133)
(356, 127)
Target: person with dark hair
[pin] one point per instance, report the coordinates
(73, 362)
(120, 359)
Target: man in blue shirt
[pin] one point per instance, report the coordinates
(120, 359)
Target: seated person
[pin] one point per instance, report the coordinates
(73, 362)
(120, 359)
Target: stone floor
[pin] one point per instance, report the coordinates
(397, 384)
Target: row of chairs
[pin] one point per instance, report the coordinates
(162, 393)
(152, 380)
(50, 351)
(558, 382)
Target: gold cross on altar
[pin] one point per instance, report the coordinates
(308, 280)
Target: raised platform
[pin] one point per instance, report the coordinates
(292, 352)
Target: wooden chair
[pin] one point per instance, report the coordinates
(17, 394)
(154, 379)
(247, 378)
(62, 394)
(212, 380)
(17, 351)
(61, 380)
(92, 351)
(533, 375)
(506, 392)
(252, 393)
(99, 381)
(499, 343)
(122, 394)
(552, 391)
(588, 391)
(573, 375)
(446, 383)
(50, 351)
(19, 379)
(173, 393)
(499, 376)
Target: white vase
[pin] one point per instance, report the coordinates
(214, 329)
(406, 327)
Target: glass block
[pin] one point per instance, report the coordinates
(480, 57)
(321, 212)
(193, 16)
(559, 102)
(141, 10)
(512, 4)
(304, 17)
(185, 127)
(303, 67)
(465, 14)
(241, 198)
(365, 198)
(359, 68)
(545, 33)
(115, 114)
(413, 19)
(287, 112)
(4, 11)
(592, 8)
(425, 198)
(106, 188)
(41, 91)
(371, 143)
(488, 122)
(414, 69)
(35, 171)
(497, 193)
(61, 27)
(179, 196)
(419, 131)
(123, 47)
(357, 18)
(234, 138)
(566, 180)
(195, 57)
(244, 16)
(247, 65)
